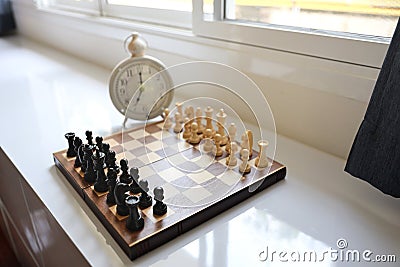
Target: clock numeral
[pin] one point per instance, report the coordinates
(158, 77)
(139, 68)
(123, 82)
(122, 90)
(129, 73)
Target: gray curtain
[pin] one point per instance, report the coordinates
(7, 22)
(375, 154)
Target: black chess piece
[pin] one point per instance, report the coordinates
(111, 161)
(125, 176)
(70, 152)
(90, 174)
(120, 193)
(135, 188)
(145, 200)
(89, 137)
(111, 182)
(101, 179)
(106, 151)
(134, 222)
(99, 143)
(82, 148)
(77, 145)
(159, 208)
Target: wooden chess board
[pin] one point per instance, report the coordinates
(197, 185)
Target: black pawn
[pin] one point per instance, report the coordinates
(90, 174)
(120, 193)
(159, 208)
(70, 152)
(101, 178)
(134, 222)
(77, 145)
(145, 200)
(134, 172)
(111, 161)
(89, 137)
(111, 182)
(125, 176)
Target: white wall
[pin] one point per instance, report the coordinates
(315, 101)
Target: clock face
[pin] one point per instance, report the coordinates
(134, 95)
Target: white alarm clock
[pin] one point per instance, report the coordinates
(140, 86)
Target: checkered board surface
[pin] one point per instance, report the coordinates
(197, 185)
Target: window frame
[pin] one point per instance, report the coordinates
(173, 18)
(85, 7)
(322, 44)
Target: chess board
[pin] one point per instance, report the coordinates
(197, 185)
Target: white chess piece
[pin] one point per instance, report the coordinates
(209, 111)
(232, 136)
(167, 122)
(178, 123)
(208, 142)
(221, 117)
(245, 143)
(231, 160)
(199, 115)
(244, 167)
(262, 159)
(179, 107)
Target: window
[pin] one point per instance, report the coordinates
(330, 29)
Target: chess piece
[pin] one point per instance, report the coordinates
(231, 160)
(111, 182)
(244, 167)
(199, 117)
(221, 117)
(247, 142)
(89, 137)
(145, 200)
(208, 142)
(231, 136)
(99, 143)
(70, 152)
(179, 107)
(167, 121)
(101, 180)
(178, 123)
(134, 173)
(217, 151)
(120, 194)
(111, 161)
(106, 151)
(159, 208)
(189, 112)
(209, 110)
(90, 174)
(262, 159)
(77, 145)
(194, 138)
(125, 177)
(84, 147)
(134, 222)
(186, 132)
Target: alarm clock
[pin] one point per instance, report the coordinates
(140, 86)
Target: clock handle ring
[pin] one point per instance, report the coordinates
(136, 46)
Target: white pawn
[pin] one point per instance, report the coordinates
(208, 142)
(167, 122)
(244, 167)
(178, 123)
(231, 160)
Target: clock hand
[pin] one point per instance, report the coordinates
(140, 78)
